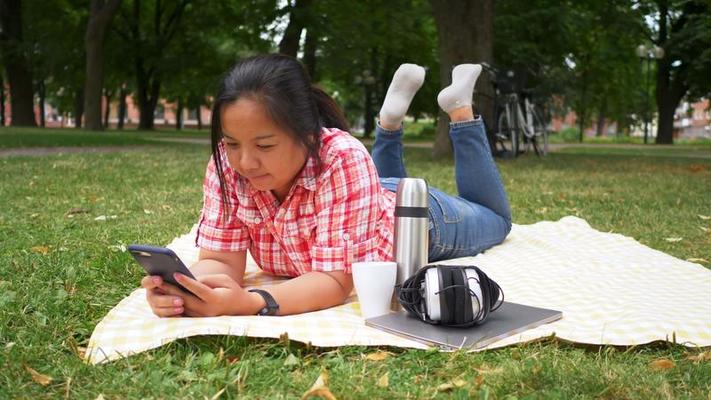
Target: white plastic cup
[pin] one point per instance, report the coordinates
(374, 283)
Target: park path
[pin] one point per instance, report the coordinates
(42, 151)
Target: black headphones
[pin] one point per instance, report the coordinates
(451, 295)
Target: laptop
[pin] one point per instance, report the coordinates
(508, 320)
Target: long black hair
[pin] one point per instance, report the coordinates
(283, 87)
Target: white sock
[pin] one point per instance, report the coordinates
(459, 93)
(406, 81)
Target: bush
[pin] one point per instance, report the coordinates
(570, 134)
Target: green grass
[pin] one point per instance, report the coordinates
(50, 303)
(48, 137)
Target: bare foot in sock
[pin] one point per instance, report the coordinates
(456, 99)
(406, 81)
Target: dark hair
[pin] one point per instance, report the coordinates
(283, 87)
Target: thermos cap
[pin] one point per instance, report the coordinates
(412, 192)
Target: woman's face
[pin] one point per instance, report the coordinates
(259, 150)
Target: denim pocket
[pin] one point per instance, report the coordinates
(448, 205)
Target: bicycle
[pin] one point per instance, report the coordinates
(520, 127)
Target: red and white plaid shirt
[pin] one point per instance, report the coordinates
(327, 221)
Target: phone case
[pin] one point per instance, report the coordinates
(160, 261)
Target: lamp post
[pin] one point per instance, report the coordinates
(648, 53)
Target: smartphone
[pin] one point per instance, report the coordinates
(160, 261)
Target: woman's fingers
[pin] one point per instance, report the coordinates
(150, 282)
(164, 305)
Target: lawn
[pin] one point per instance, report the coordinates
(62, 270)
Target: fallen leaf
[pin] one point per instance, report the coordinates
(384, 381)
(705, 229)
(445, 387)
(9, 345)
(44, 250)
(479, 380)
(43, 380)
(118, 247)
(166, 207)
(704, 217)
(378, 356)
(147, 211)
(320, 388)
(484, 369)
(661, 364)
(673, 239)
(698, 260)
(697, 167)
(291, 360)
(99, 397)
(76, 210)
(105, 217)
(703, 356)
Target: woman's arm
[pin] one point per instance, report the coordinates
(231, 264)
(310, 292)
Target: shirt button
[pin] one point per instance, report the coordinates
(257, 220)
(346, 236)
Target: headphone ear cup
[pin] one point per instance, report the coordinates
(432, 300)
(459, 290)
(447, 300)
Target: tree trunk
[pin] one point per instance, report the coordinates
(289, 43)
(600, 128)
(669, 91)
(78, 107)
(122, 107)
(19, 75)
(102, 11)
(179, 114)
(107, 112)
(199, 118)
(2, 100)
(310, 45)
(465, 35)
(41, 92)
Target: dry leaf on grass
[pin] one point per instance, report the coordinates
(378, 355)
(320, 388)
(43, 380)
(674, 239)
(44, 250)
(697, 260)
(704, 356)
(105, 217)
(76, 210)
(661, 364)
(455, 383)
(384, 381)
(99, 397)
(697, 167)
(704, 217)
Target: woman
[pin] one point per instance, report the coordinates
(288, 183)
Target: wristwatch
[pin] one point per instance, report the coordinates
(272, 307)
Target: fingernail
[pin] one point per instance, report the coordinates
(178, 301)
(177, 276)
(156, 280)
(178, 310)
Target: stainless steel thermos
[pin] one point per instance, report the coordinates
(411, 228)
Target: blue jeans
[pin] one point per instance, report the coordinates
(463, 225)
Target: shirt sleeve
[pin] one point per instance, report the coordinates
(348, 225)
(219, 229)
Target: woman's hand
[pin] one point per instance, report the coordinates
(213, 295)
(158, 294)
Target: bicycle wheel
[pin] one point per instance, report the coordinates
(541, 134)
(508, 132)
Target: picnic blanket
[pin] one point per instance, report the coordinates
(611, 290)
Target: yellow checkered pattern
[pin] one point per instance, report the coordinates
(610, 288)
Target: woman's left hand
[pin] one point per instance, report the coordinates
(215, 295)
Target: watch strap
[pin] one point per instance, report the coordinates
(272, 306)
